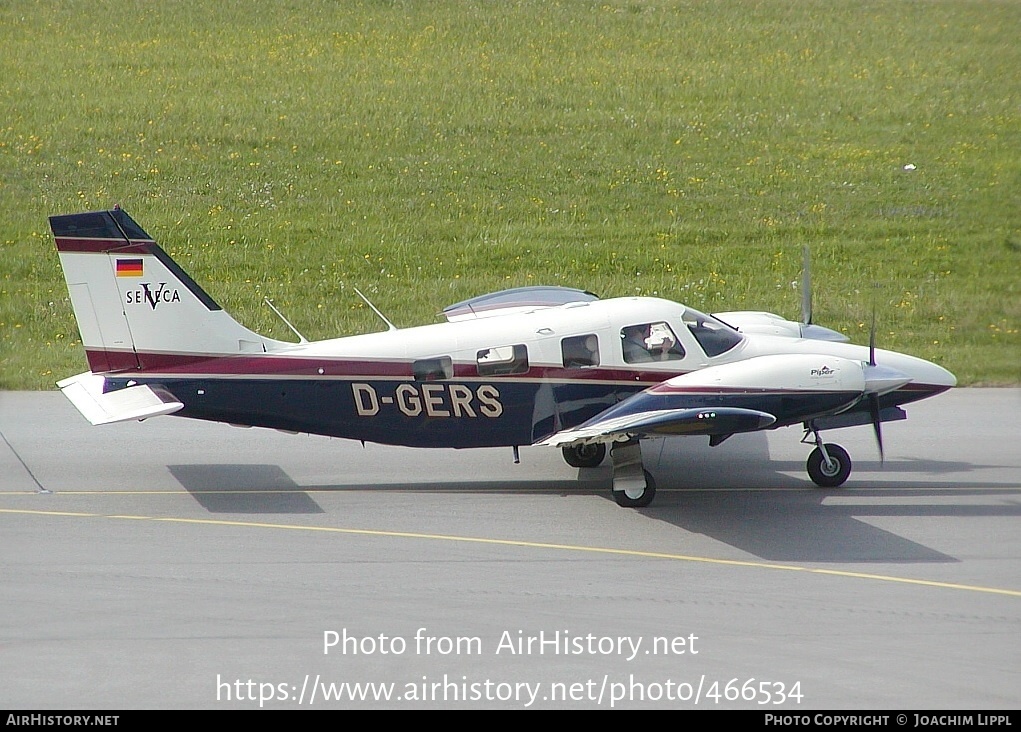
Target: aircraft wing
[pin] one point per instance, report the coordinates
(700, 421)
(85, 391)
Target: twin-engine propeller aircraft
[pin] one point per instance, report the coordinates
(530, 366)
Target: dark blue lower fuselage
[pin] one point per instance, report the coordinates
(459, 414)
(416, 414)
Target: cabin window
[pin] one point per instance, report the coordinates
(502, 361)
(650, 342)
(713, 335)
(580, 351)
(433, 369)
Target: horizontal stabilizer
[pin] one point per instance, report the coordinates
(85, 391)
(702, 421)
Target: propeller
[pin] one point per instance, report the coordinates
(806, 287)
(808, 328)
(873, 397)
(872, 338)
(876, 422)
(878, 381)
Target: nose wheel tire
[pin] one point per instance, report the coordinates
(634, 498)
(829, 475)
(584, 456)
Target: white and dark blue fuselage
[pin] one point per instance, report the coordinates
(373, 388)
(530, 366)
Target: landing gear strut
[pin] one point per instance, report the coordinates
(633, 486)
(828, 465)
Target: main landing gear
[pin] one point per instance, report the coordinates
(633, 485)
(638, 495)
(828, 465)
(584, 456)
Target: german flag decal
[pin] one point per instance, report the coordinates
(129, 267)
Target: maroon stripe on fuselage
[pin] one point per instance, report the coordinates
(706, 389)
(268, 365)
(99, 246)
(101, 362)
(244, 364)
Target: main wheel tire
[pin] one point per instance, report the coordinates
(584, 456)
(829, 476)
(625, 501)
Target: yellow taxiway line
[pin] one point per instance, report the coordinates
(529, 545)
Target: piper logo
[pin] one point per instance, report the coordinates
(823, 371)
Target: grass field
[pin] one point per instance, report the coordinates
(428, 152)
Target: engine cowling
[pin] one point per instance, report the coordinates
(782, 372)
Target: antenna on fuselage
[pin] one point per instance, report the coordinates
(382, 317)
(301, 338)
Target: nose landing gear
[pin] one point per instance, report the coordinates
(828, 465)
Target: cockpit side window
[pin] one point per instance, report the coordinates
(502, 360)
(650, 342)
(714, 336)
(580, 351)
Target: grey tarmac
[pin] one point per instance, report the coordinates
(178, 564)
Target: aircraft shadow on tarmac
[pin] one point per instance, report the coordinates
(749, 503)
(244, 489)
(739, 495)
(801, 526)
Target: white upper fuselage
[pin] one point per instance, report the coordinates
(542, 330)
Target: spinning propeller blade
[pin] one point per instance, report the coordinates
(809, 329)
(876, 424)
(872, 338)
(806, 287)
(873, 397)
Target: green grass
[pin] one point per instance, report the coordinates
(428, 152)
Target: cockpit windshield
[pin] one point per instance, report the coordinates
(713, 335)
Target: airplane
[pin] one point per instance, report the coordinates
(551, 366)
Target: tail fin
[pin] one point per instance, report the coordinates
(133, 303)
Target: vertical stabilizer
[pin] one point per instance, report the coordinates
(133, 303)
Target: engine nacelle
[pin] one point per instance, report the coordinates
(783, 372)
(762, 323)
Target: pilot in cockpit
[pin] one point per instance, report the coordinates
(645, 343)
(633, 340)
